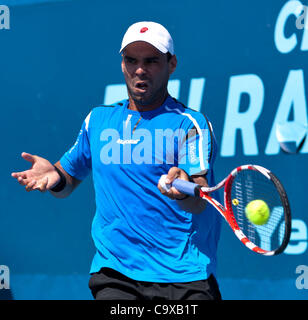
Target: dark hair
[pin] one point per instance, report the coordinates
(169, 56)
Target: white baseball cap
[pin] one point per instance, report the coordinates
(151, 32)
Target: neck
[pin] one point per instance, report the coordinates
(137, 106)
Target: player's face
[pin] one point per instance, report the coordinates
(146, 71)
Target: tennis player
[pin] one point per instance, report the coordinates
(150, 243)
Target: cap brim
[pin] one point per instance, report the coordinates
(155, 45)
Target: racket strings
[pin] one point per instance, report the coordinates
(251, 185)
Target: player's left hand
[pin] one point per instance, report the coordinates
(173, 193)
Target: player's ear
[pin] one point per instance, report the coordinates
(122, 64)
(172, 64)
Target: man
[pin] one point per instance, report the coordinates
(151, 243)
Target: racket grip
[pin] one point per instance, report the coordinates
(186, 187)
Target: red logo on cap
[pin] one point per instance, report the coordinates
(143, 30)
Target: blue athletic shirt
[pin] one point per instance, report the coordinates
(136, 230)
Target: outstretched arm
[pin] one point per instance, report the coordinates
(43, 176)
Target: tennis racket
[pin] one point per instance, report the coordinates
(243, 185)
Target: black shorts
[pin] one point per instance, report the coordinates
(108, 284)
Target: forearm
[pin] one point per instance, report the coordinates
(192, 204)
(70, 183)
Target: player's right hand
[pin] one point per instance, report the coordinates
(41, 176)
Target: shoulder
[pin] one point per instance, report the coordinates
(196, 117)
(105, 107)
(103, 111)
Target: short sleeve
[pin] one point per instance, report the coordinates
(196, 152)
(77, 160)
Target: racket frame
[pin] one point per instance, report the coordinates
(227, 211)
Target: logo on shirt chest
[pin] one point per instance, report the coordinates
(127, 130)
(130, 141)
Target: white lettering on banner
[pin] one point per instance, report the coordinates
(174, 88)
(244, 121)
(4, 17)
(263, 231)
(298, 239)
(293, 96)
(283, 44)
(196, 93)
(114, 93)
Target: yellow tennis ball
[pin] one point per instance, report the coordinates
(257, 212)
(235, 202)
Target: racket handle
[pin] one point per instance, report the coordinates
(186, 187)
